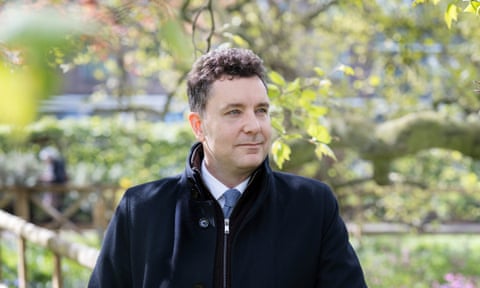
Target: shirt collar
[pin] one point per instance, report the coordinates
(216, 187)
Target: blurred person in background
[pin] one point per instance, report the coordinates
(54, 172)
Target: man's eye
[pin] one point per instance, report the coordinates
(233, 112)
(262, 110)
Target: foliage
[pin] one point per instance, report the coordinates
(456, 280)
(19, 169)
(30, 42)
(384, 52)
(437, 186)
(453, 9)
(107, 150)
(418, 261)
(297, 112)
(40, 266)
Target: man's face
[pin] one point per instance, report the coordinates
(235, 127)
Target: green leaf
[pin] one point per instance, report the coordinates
(451, 14)
(281, 152)
(316, 111)
(178, 41)
(418, 2)
(319, 71)
(276, 78)
(347, 70)
(273, 91)
(326, 83)
(473, 7)
(319, 133)
(322, 149)
(308, 95)
(277, 125)
(292, 136)
(238, 40)
(374, 81)
(294, 86)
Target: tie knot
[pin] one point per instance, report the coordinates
(231, 197)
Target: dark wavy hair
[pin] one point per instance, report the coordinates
(231, 62)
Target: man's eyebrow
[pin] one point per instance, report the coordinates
(233, 105)
(240, 105)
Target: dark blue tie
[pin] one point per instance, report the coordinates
(231, 196)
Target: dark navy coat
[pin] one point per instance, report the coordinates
(285, 232)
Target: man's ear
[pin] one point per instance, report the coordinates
(196, 123)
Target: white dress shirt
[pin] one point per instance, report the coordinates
(216, 187)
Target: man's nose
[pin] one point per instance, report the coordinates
(252, 123)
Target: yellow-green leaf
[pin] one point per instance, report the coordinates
(277, 125)
(374, 80)
(347, 70)
(319, 71)
(18, 95)
(280, 152)
(276, 78)
(273, 91)
(293, 136)
(319, 133)
(317, 111)
(309, 95)
(238, 40)
(178, 41)
(294, 86)
(322, 149)
(451, 14)
(473, 7)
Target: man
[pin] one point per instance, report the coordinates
(284, 230)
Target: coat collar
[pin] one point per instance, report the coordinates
(259, 180)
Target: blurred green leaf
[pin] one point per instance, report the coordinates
(281, 152)
(273, 91)
(177, 41)
(347, 70)
(451, 14)
(36, 33)
(473, 7)
(319, 71)
(322, 150)
(319, 133)
(277, 79)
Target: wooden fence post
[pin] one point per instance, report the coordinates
(1, 256)
(57, 281)
(99, 212)
(22, 207)
(22, 263)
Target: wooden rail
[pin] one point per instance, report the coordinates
(99, 198)
(47, 239)
(383, 228)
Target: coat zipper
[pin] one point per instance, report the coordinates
(225, 241)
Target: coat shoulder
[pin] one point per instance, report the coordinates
(162, 188)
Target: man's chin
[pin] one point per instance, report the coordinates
(252, 161)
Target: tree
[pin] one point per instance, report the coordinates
(371, 80)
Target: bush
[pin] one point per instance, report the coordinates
(39, 266)
(106, 150)
(418, 261)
